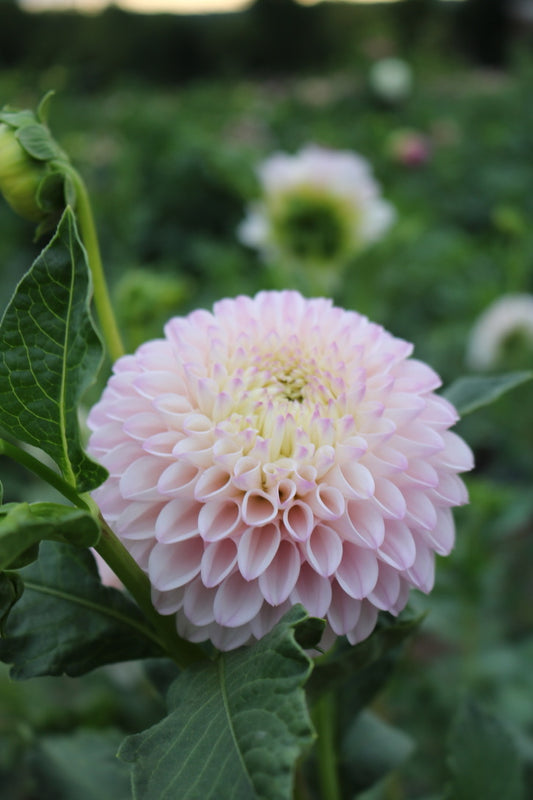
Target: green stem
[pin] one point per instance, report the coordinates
(90, 240)
(115, 554)
(325, 722)
(43, 471)
(138, 585)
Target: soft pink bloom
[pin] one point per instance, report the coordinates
(278, 451)
(409, 147)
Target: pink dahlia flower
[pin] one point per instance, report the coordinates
(278, 451)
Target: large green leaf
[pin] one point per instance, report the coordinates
(483, 758)
(65, 766)
(475, 391)
(67, 622)
(11, 589)
(236, 726)
(49, 354)
(24, 526)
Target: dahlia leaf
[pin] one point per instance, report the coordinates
(471, 392)
(49, 354)
(236, 726)
(370, 749)
(66, 765)
(67, 622)
(484, 760)
(11, 589)
(24, 526)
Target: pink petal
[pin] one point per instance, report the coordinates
(365, 624)
(213, 482)
(420, 509)
(387, 589)
(139, 481)
(142, 426)
(422, 573)
(358, 571)
(442, 537)
(137, 521)
(390, 499)
(344, 611)
(456, 454)
(178, 478)
(299, 520)
(326, 502)
(218, 561)
(324, 550)
(398, 548)
(278, 580)
(198, 603)
(256, 549)
(237, 601)
(362, 524)
(177, 521)
(312, 591)
(167, 602)
(154, 383)
(218, 519)
(120, 457)
(258, 508)
(450, 490)
(171, 566)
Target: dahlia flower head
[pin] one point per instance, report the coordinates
(276, 451)
(318, 206)
(502, 333)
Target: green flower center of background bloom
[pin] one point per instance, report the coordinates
(312, 226)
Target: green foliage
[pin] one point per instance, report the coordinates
(359, 672)
(371, 749)
(49, 352)
(67, 622)
(473, 392)
(484, 760)
(24, 526)
(235, 728)
(81, 765)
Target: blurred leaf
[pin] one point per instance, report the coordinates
(484, 761)
(365, 667)
(370, 749)
(469, 393)
(49, 354)
(24, 526)
(67, 622)
(81, 765)
(236, 726)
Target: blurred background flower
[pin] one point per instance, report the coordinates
(319, 207)
(502, 337)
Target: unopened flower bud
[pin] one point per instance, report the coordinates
(20, 176)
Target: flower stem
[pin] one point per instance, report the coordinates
(136, 582)
(90, 240)
(43, 471)
(325, 723)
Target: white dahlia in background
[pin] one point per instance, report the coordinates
(278, 451)
(503, 335)
(319, 206)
